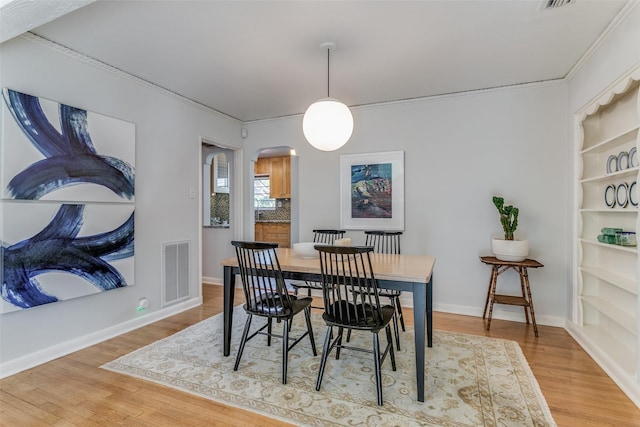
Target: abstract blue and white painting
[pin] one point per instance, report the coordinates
(67, 206)
(52, 151)
(53, 252)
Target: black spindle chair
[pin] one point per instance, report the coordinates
(351, 301)
(266, 296)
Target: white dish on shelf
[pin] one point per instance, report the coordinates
(623, 161)
(633, 158)
(633, 197)
(612, 162)
(622, 195)
(610, 196)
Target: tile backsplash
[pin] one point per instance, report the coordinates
(280, 213)
(220, 207)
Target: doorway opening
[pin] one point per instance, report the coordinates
(275, 195)
(221, 206)
(216, 185)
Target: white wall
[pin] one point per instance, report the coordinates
(168, 144)
(459, 151)
(619, 53)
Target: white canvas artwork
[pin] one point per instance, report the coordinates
(67, 225)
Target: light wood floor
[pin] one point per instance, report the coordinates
(74, 391)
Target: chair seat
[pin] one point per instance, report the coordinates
(271, 306)
(358, 316)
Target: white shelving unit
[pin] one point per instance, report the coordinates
(606, 318)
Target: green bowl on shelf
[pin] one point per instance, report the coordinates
(607, 238)
(608, 231)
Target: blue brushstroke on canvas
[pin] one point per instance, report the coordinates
(57, 248)
(70, 157)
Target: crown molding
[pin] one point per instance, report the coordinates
(58, 48)
(444, 96)
(611, 28)
(20, 16)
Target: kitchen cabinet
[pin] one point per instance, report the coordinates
(263, 166)
(606, 303)
(279, 171)
(276, 232)
(280, 177)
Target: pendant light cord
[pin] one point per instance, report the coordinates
(328, 52)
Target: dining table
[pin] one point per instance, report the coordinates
(407, 273)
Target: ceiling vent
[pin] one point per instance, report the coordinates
(553, 4)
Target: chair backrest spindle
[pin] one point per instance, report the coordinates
(386, 242)
(327, 237)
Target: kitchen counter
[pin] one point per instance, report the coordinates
(285, 221)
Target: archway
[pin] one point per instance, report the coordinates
(279, 203)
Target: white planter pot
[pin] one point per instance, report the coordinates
(510, 250)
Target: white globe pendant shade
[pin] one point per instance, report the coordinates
(327, 124)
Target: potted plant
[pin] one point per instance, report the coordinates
(508, 249)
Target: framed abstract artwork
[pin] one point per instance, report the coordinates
(372, 191)
(67, 202)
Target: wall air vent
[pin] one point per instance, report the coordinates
(175, 278)
(553, 4)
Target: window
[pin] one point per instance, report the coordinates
(261, 193)
(220, 173)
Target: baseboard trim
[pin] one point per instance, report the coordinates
(212, 280)
(498, 313)
(622, 379)
(15, 366)
(407, 301)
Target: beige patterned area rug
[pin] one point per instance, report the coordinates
(470, 380)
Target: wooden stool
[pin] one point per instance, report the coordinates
(497, 268)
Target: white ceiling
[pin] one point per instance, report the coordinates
(261, 59)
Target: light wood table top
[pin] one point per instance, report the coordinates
(403, 268)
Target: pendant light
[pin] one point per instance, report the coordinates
(327, 124)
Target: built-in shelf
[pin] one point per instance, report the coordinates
(614, 279)
(613, 312)
(630, 172)
(609, 143)
(632, 249)
(606, 320)
(611, 210)
(615, 350)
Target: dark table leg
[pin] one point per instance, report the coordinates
(228, 294)
(430, 312)
(421, 306)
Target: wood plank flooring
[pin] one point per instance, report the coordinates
(74, 391)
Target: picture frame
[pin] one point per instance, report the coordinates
(372, 191)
